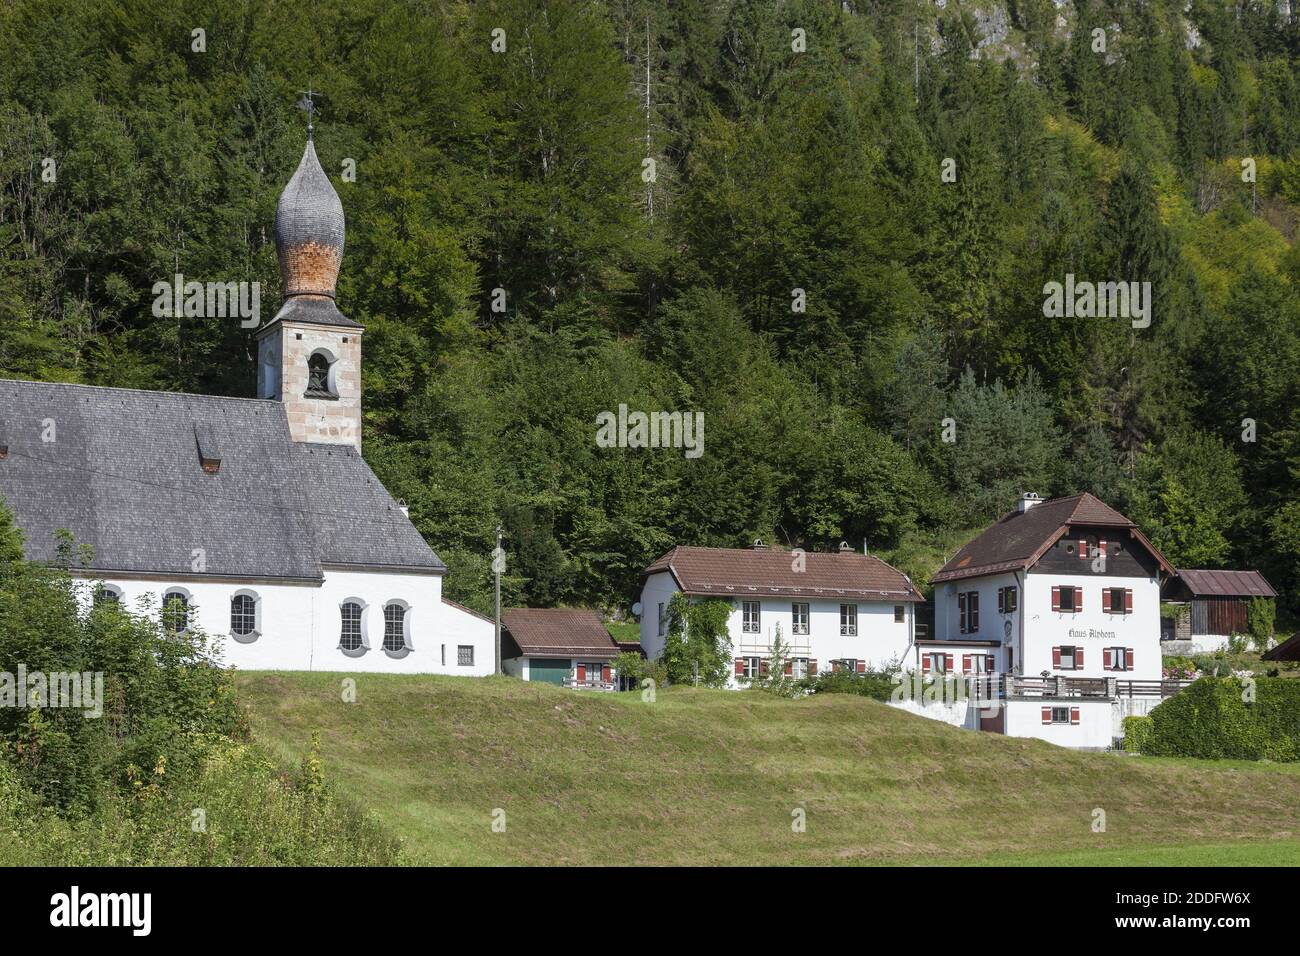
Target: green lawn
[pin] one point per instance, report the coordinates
(714, 777)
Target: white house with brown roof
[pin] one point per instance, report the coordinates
(1064, 597)
(838, 610)
(569, 647)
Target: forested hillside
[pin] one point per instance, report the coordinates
(796, 146)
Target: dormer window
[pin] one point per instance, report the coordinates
(319, 384)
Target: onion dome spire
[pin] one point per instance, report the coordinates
(309, 229)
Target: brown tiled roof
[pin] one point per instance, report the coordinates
(748, 572)
(1019, 539)
(1226, 583)
(560, 631)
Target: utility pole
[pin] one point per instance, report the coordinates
(498, 565)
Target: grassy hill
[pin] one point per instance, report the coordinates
(702, 777)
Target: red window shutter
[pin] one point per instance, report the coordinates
(925, 663)
(582, 673)
(965, 663)
(1101, 549)
(1078, 658)
(1078, 599)
(812, 667)
(789, 668)
(1083, 548)
(1128, 655)
(1074, 715)
(1056, 597)
(1105, 600)
(762, 666)
(947, 663)
(1128, 600)
(1056, 657)
(1106, 659)
(604, 673)
(1047, 715)
(862, 667)
(740, 667)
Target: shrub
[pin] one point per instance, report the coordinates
(878, 685)
(637, 668)
(1137, 734)
(1216, 718)
(163, 694)
(1259, 619)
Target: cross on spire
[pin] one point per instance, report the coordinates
(309, 106)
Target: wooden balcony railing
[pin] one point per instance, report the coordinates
(590, 684)
(1003, 686)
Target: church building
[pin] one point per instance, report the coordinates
(254, 519)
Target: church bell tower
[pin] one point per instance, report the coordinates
(309, 355)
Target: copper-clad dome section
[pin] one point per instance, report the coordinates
(309, 229)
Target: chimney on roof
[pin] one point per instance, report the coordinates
(1027, 501)
(758, 545)
(844, 548)
(404, 507)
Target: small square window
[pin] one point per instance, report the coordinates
(465, 655)
(1060, 715)
(900, 613)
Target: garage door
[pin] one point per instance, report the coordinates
(552, 670)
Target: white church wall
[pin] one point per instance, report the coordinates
(299, 624)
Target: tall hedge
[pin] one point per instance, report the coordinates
(1216, 718)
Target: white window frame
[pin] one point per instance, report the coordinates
(406, 647)
(751, 617)
(798, 626)
(1061, 710)
(753, 667)
(190, 608)
(1073, 665)
(256, 632)
(848, 620)
(364, 634)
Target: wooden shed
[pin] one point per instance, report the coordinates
(1220, 600)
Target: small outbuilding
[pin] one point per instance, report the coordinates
(1219, 605)
(1288, 650)
(569, 647)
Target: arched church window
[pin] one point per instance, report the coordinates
(243, 615)
(394, 627)
(318, 376)
(350, 638)
(176, 612)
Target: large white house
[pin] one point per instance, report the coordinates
(1063, 598)
(255, 519)
(832, 610)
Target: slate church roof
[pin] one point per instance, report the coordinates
(124, 475)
